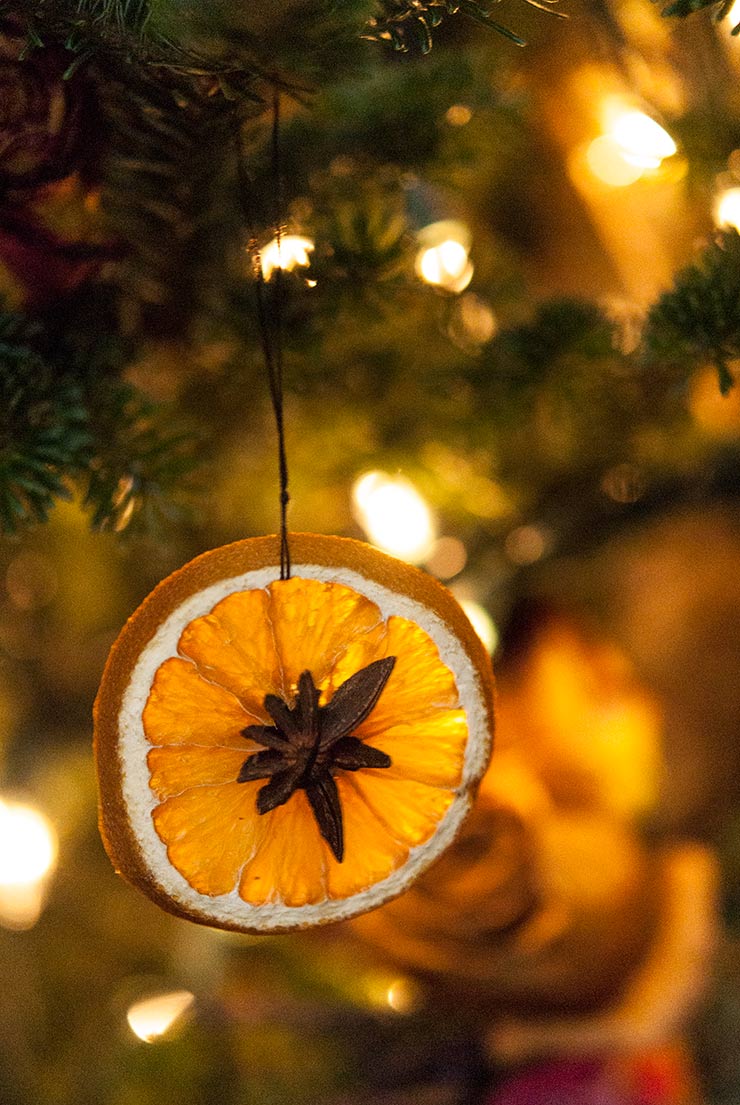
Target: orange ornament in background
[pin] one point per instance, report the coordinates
(274, 754)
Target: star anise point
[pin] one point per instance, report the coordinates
(309, 743)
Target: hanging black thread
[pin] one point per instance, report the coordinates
(271, 322)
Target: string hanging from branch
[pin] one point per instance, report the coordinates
(253, 721)
(271, 321)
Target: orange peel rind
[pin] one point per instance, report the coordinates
(191, 669)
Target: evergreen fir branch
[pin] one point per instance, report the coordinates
(117, 31)
(69, 422)
(699, 319)
(165, 191)
(365, 220)
(683, 8)
(209, 46)
(561, 328)
(44, 438)
(408, 24)
(141, 462)
(128, 15)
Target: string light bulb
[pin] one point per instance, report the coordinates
(395, 517)
(28, 853)
(443, 258)
(398, 994)
(727, 208)
(154, 1017)
(289, 252)
(632, 145)
(643, 142)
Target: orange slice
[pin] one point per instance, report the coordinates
(274, 754)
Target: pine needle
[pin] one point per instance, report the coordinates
(408, 24)
(698, 320)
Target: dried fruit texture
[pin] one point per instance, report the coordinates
(255, 643)
(274, 754)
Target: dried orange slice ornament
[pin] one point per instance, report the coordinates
(274, 754)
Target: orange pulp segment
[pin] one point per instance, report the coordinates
(258, 642)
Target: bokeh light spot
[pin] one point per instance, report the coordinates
(458, 115)
(727, 208)
(527, 544)
(447, 558)
(152, 1018)
(607, 162)
(394, 516)
(443, 259)
(289, 253)
(31, 581)
(624, 483)
(28, 852)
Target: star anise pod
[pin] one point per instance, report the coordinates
(309, 743)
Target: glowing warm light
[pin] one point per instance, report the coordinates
(606, 161)
(394, 515)
(733, 15)
(526, 544)
(443, 259)
(402, 996)
(588, 718)
(154, 1017)
(458, 115)
(727, 207)
(289, 253)
(473, 322)
(28, 851)
(447, 260)
(482, 623)
(643, 141)
(384, 992)
(632, 145)
(447, 558)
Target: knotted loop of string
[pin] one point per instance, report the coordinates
(270, 303)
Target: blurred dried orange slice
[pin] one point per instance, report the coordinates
(274, 754)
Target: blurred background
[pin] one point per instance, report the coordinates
(511, 328)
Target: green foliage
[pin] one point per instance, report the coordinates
(165, 192)
(365, 220)
(559, 394)
(698, 320)
(561, 328)
(237, 48)
(141, 461)
(370, 164)
(43, 430)
(67, 422)
(687, 7)
(408, 24)
(128, 15)
(112, 32)
(305, 38)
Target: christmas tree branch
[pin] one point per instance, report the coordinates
(44, 436)
(165, 175)
(67, 422)
(140, 465)
(407, 25)
(682, 8)
(698, 320)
